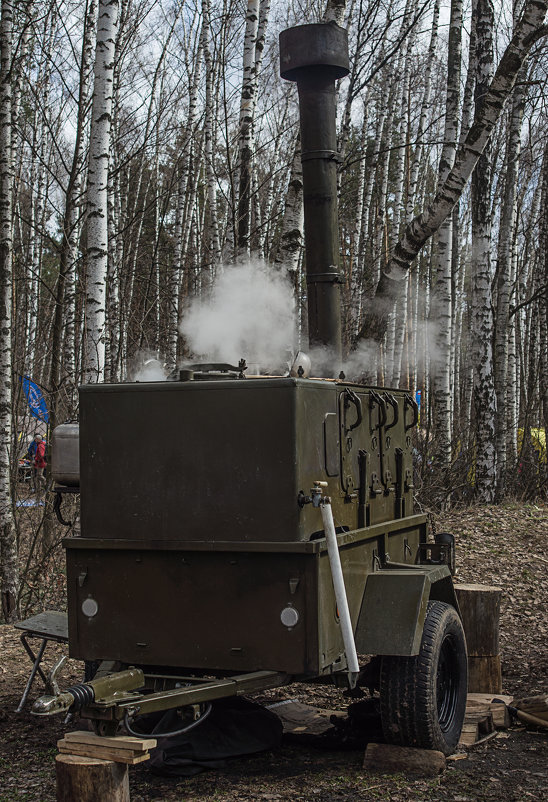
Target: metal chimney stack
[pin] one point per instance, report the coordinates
(315, 56)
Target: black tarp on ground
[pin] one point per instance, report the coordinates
(235, 727)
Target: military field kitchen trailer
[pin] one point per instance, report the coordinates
(238, 533)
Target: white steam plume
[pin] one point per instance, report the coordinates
(147, 367)
(250, 314)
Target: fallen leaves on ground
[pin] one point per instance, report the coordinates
(504, 546)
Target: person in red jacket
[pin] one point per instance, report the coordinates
(37, 454)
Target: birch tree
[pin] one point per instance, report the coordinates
(247, 113)
(505, 263)
(442, 296)
(543, 270)
(63, 350)
(9, 574)
(97, 191)
(291, 239)
(528, 31)
(209, 129)
(481, 333)
(335, 11)
(186, 194)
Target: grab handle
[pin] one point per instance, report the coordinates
(350, 397)
(390, 399)
(375, 398)
(410, 402)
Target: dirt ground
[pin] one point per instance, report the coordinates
(504, 546)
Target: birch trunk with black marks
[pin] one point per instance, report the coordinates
(37, 188)
(256, 234)
(481, 332)
(399, 208)
(272, 195)
(186, 190)
(291, 238)
(9, 573)
(442, 300)
(416, 161)
(112, 351)
(543, 299)
(212, 234)
(335, 11)
(247, 111)
(97, 192)
(357, 264)
(506, 256)
(413, 201)
(381, 189)
(63, 347)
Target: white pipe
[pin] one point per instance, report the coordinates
(340, 591)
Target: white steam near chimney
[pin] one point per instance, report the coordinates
(249, 313)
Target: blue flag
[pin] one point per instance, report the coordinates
(37, 403)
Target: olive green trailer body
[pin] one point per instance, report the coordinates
(195, 532)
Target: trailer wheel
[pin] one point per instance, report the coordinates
(423, 698)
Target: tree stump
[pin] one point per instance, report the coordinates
(480, 610)
(89, 779)
(485, 674)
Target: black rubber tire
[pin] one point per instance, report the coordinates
(423, 698)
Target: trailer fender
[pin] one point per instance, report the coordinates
(393, 608)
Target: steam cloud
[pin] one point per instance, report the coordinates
(147, 368)
(249, 313)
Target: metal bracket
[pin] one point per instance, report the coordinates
(319, 278)
(330, 155)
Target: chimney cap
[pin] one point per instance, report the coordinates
(322, 44)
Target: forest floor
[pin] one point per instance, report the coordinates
(504, 546)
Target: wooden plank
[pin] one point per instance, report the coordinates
(496, 705)
(385, 758)
(102, 753)
(501, 715)
(485, 724)
(477, 725)
(484, 738)
(488, 698)
(483, 720)
(114, 741)
(469, 734)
